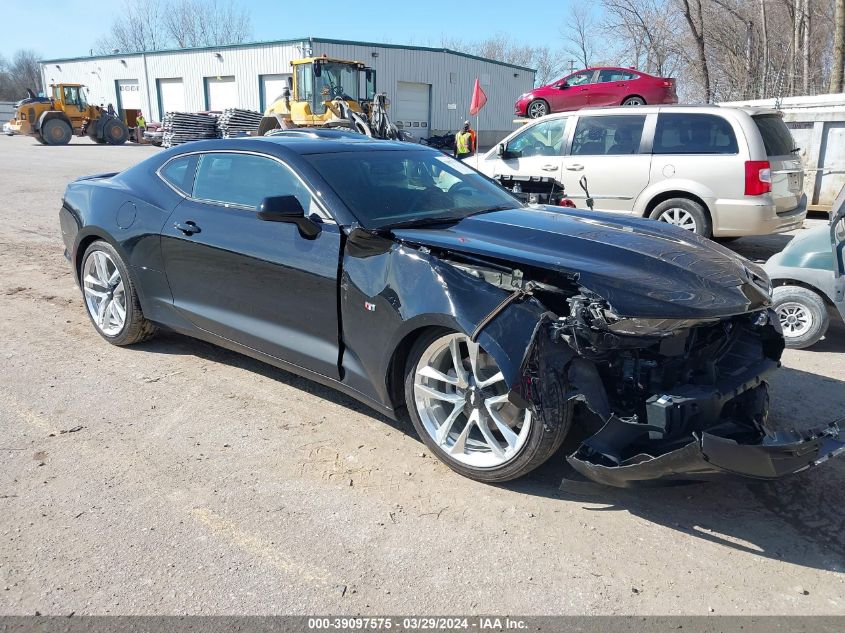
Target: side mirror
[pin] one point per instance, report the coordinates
(563, 85)
(288, 209)
(501, 150)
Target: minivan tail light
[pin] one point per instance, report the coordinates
(758, 177)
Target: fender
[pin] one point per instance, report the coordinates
(681, 185)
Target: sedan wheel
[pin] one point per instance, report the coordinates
(802, 314)
(678, 217)
(105, 293)
(633, 101)
(110, 297)
(536, 109)
(458, 401)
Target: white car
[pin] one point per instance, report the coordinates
(718, 171)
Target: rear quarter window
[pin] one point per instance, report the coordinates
(776, 136)
(179, 172)
(683, 133)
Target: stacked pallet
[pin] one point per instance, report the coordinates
(234, 123)
(183, 127)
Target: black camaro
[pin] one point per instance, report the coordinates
(404, 278)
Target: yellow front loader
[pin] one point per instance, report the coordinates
(55, 119)
(331, 93)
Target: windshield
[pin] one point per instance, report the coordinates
(336, 80)
(388, 189)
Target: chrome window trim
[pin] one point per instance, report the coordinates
(315, 196)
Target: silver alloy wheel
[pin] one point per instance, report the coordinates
(634, 101)
(679, 217)
(536, 109)
(462, 401)
(105, 294)
(795, 319)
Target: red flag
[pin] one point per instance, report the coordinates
(478, 99)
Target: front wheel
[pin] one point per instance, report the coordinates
(110, 297)
(536, 109)
(803, 315)
(115, 132)
(458, 402)
(633, 101)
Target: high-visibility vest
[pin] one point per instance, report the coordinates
(463, 142)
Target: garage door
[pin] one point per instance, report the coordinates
(413, 108)
(271, 88)
(220, 93)
(128, 94)
(171, 95)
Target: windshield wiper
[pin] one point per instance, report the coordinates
(418, 222)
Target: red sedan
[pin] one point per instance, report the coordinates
(595, 87)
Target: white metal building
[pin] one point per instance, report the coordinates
(429, 88)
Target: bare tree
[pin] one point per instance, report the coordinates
(836, 69)
(17, 75)
(579, 33)
(647, 32)
(175, 24)
(692, 11)
(548, 62)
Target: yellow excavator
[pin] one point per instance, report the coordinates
(55, 119)
(331, 93)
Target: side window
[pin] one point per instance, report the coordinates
(179, 172)
(245, 180)
(542, 139)
(616, 75)
(71, 94)
(679, 133)
(608, 135)
(579, 79)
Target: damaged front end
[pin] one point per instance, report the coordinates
(683, 399)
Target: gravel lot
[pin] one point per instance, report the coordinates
(176, 477)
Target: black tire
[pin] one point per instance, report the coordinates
(136, 328)
(634, 100)
(698, 213)
(794, 303)
(56, 132)
(537, 108)
(115, 132)
(39, 138)
(543, 440)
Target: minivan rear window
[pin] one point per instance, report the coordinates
(776, 136)
(689, 133)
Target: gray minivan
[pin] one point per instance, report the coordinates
(718, 171)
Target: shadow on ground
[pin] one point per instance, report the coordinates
(798, 519)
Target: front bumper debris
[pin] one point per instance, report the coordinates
(707, 456)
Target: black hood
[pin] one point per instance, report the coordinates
(643, 268)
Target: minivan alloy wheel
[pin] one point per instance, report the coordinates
(105, 293)
(461, 398)
(678, 217)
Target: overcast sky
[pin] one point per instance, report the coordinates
(68, 28)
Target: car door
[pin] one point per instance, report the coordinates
(573, 92)
(535, 151)
(611, 87)
(260, 284)
(607, 150)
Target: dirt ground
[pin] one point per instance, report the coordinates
(178, 478)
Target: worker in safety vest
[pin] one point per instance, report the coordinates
(465, 142)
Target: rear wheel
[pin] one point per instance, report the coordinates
(633, 101)
(458, 402)
(803, 315)
(110, 297)
(537, 108)
(684, 213)
(56, 132)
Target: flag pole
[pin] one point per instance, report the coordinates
(477, 136)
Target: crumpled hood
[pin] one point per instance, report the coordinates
(643, 268)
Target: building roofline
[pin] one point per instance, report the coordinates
(317, 40)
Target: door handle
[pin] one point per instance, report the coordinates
(549, 168)
(583, 90)
(575, 167)
(188, 228)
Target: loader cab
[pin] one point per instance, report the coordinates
(73, 99)
(321, 79)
